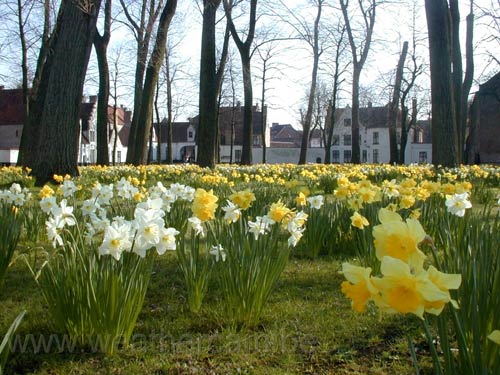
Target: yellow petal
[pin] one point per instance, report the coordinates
(385, 216)
(495, 336)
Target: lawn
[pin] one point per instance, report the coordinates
(68, 269)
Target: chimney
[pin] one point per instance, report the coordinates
(92, 98)
(238, 104)
(370, 104)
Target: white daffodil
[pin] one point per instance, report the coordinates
(188, 194)
(218, 252)
(167, 240)
(151, 204)
(295, 237)
(48, 203)
(65, 213)
(259, 226)
(316, 201)
(148, 224)
(105, 195)
(125, 189)
(117, 239)
(197, 225)
(89, 207)
(15, 188)
(232, 212)
(53, 226)
(68, 188)
(458, 203)
(177, 190)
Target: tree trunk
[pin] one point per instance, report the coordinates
(244, 50)
(159, 129)
(101, 48)
(358, 62)
(29, 134)
(170, 120)
(444, 137)
(143, 33)
(469, 75)
(246, 150)
(207, 127)
(456, 73)
(355, 154)
(306, 126)
(393, 111)
(60, 95)
(146, 108)
(264, 113)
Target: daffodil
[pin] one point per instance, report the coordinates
(204, 204)
(243, 199)
(403, 291)
(278, 212)
(359, 221)
(458, 203)
(358, 286)
(399, 239)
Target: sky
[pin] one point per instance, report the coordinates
(290, 76)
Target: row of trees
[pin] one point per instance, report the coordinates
(53, 92)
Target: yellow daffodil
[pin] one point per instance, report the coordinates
(300, 200)
(278, 212)
(404, 292)
(358, 286)
(243, 199)
(359, 221)
(45, 192)
(204, 204)
(399, 239)
(58, 178)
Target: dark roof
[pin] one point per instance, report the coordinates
(124, 134)
(11, 107)
(179, 131)
(370, 117)
(225, 121)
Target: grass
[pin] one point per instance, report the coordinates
(308, 327)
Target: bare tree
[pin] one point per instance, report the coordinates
(101, 43)
(26, 156)
(145, 118)
(244, 48)
(394, 105)
(448, 89)
(140, 19)
(210, 85)
(56, 107)
(359, 50)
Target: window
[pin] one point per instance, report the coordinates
(237, 155)
(335, 140)
(375, 138)
(347, 156)
(375, 156)
(365, 156)
(256, 140)
(422, 157)
(118, 156)
(347, 122)
(190, 134)
(347, 140)
(335, 156)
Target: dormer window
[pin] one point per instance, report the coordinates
(190, 134)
